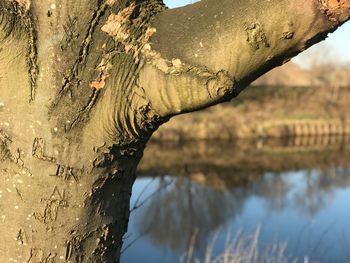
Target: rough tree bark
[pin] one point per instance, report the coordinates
(84, 83)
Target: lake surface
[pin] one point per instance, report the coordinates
(197, 195)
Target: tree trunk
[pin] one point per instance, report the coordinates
(69, 145)
(52, 211)
(83, 85)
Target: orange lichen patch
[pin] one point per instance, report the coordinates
(24, 3)
(116, 25)
(100, 82)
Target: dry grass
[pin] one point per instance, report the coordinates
(241, 249)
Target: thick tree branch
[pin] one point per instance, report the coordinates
(208, 52)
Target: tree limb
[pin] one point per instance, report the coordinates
(208, 52)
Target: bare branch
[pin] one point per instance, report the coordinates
(207, 52)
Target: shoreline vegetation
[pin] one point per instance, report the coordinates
(242, 249)
(223, 165)
(288, 102)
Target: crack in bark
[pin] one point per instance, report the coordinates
(84, 112)
(10, 22)
(83, 53)
(17, 19)
(32, 53)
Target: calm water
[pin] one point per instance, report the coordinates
(200, 193)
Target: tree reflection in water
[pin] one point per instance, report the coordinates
(213, 185)
(187, 207)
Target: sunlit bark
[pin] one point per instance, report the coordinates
(83, 84)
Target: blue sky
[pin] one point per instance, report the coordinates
(336, 47)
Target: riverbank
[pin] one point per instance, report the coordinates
(267, 112)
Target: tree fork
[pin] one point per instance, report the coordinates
(84, 84)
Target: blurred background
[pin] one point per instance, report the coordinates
(263, 178)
